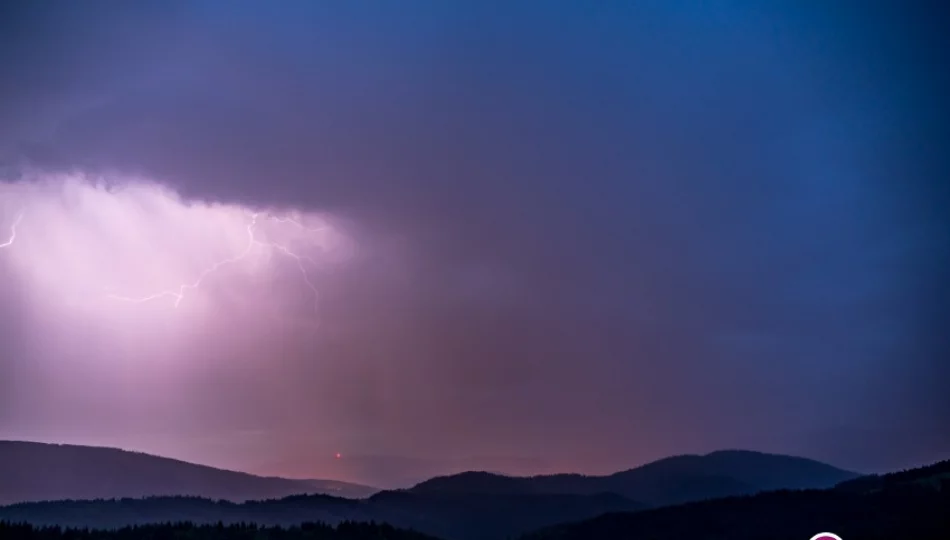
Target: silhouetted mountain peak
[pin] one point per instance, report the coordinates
(670, 480)
(907, 504)
(473, 482)
(38, 471)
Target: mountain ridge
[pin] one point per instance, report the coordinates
(34, 471)
(905, 504)
(468, 506)
(670, 480)
(909, 504)
(461, 517)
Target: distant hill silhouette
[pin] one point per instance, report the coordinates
(490, 516)
(466, 506)
(912, 505)
(667, 481)
(909, 505)
(454, 517)
(936, 476)
(36, 472)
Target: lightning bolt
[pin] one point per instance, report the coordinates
(179, 293)
(13, 227)
(295, 222)
(303, 270)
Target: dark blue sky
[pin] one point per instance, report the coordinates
(594, 233)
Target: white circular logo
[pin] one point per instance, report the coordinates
(826, 536)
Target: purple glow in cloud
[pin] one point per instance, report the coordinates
(104, 246)
(137, 313)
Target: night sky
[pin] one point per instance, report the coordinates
(540, 236)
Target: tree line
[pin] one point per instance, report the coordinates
(188, 531)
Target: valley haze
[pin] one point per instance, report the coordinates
(40, 472)
(106, 488)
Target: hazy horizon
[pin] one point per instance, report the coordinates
(419, 470)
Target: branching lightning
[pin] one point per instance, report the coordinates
(179, 293)
(295, 222)
(303, 270)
